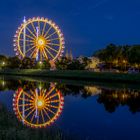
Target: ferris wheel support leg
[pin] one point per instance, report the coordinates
(24, 37)
(37, 35)
(36, 112)
(53, 66)
(23, 108)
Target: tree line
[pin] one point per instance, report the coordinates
(111, 57)
(28, 63)
(121, 57)
(25, 63)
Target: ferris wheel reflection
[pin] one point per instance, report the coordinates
(38, 107)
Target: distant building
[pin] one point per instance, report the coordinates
(94, 62)
(69, 55)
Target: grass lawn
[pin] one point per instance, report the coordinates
(75, 75)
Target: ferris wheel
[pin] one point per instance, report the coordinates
(39, 38)
(38, 108)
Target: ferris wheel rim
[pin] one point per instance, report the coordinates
(52, 24)
(33, 125)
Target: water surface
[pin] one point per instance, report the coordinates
(50, 109)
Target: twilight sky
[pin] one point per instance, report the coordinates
(88, 25)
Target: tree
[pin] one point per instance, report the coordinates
(86, 61)
(14, 62)
(134, 55)
(115, 56)
(76, 65)
(3, 61)
(43, 65)
(108, 55)
(28, 63)
(62, 64)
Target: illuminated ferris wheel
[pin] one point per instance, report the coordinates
(38, 108)
(39, 38)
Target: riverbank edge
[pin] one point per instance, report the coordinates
(75, 75)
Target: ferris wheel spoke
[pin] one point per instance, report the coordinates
(33, 93)
(31, 32)
(50, 98)
(49, 110)
(43, 29)
(33, 117)
(28, 95)
(21, 105)
(38, 117)
(49, 52)
(39, 26)
(47, 31)
(42, 116)
(54, 39)
(41, 54)
(29, 113)
(28, 108)
(51, 35)
(48, 93)
(30, 49)
(27, 100)
(26, 40)
(32, 44)
(45, 55)
(33, 52)
(51, 48)
(53, 44)
(41, 92)
(54, 101)
(36, 93)
(46, 113)
(52, 106)
(28, 36)
(33, 27)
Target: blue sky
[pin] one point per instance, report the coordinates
(88, 25)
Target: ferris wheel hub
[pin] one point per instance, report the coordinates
(40, 103)
(41, 42)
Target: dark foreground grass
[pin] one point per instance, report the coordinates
(76, 75)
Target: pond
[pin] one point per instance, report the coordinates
(49, 109)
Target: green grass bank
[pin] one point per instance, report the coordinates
(75, 75)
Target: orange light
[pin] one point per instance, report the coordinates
(40, 103)
(40, 42)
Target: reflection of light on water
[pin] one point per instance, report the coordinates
(93, 90)
(41, 108)
(136, 94)
(125, 94)
(115, 95)
(40, 103)
(3, 83)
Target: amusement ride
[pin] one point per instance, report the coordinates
(39, 38)
(42, 40)
(38, 107)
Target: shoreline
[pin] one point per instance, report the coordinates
(75, 75)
